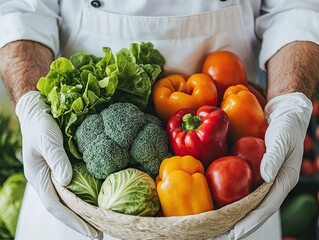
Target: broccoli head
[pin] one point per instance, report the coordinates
(153, 119)
(101, 154)
(104, 156)
(90, 128)
(149, 148)
(119, 137)
(122, 122)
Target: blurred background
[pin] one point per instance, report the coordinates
(6, 106)
(12, 180)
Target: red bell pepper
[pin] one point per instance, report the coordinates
(201, 134)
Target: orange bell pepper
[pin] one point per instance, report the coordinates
(259, 95)
(246, 116)
(182, 187)
(175, 92)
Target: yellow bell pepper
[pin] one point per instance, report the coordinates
(182, 187)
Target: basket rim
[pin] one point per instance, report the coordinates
(263, 187)
(199, 226)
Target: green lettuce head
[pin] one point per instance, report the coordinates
(4, 232)
(131, 192)
(11, 196)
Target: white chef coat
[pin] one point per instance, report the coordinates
(277, 22)
(68, 26)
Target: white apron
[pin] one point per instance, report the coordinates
(184, 42)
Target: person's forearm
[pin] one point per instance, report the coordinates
(294, 68)
(22, 63)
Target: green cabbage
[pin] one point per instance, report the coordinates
(131, 192)
(84, 185)
(11, 196)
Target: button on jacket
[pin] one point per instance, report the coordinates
(278, 22)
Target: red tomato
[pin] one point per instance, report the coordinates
(316, 164)
(229, 179)
(315, 110)
(251, 149)
(289, 238)
(308, 145)
(317, 132)
(307, 167)
(226, 69)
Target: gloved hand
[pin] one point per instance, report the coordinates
(288, 117)
(43, 152)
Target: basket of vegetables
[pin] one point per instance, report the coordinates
(154, 156)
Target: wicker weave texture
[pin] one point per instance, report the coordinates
(200, 226)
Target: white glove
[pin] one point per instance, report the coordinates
(43, 152)
(288, 117)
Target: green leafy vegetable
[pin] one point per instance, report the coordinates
(10, 149)
(4, 232)
(11, 192)
(84, 185)
(86, 84)
(129, 191)
(11, 195)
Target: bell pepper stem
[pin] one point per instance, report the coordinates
(190, 122)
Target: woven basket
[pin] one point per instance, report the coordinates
(200, 226)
